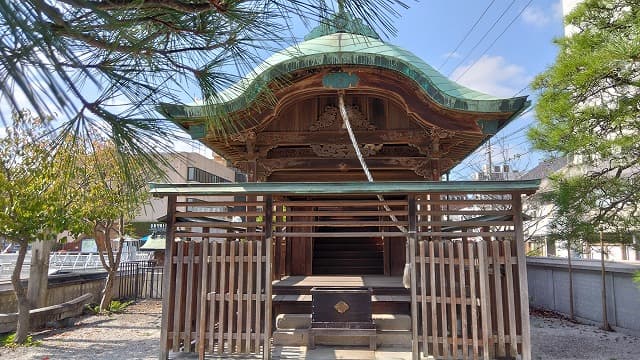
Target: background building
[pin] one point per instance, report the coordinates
(188, 167)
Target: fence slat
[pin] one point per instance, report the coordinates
(510, 298)
(258, 295)
(484, 297)
(189, 297)
(240, 301)
(423, 300)
(497, 279)
(443, 300)
(474, 298)
(178, 297)
(221, 304)
(202, 322)
(453, 307)
(463, 296)
(231, 305)
(434, 298)
(199, 304)
(250, 275)
(213, 291)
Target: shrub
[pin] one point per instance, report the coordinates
(115, 307)
(6, 340)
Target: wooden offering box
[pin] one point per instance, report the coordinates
(339, 311)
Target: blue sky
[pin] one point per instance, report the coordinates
(432, 30)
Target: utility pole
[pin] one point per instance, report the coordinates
(605, 321)
(490, 162)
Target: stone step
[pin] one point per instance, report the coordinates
(392, 321)
(383, 321)
(293, 321)
(291, 337)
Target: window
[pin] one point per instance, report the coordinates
(199, 175)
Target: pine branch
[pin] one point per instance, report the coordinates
(180, 6)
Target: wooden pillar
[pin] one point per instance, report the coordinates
(168, 283)
(38, 285)
(252, 178)
(411, 237)
(522, 272)
(268, 236)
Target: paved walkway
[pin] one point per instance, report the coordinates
(321, 353)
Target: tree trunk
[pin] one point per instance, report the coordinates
(107, 291)
(571, 313)
(22, 330)
(111, 264)
(605, 321)
(39, 273)
(636, 246)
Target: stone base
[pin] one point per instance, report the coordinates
(291, 337)
(301, 338)
(382, 321)
(392, 330)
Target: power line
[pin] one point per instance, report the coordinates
(466, 35)
(496, 39)
(520, 91)
(484, 36)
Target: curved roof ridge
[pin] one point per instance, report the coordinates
(342, 48)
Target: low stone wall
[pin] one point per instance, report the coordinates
(62, 288)
(549, 289)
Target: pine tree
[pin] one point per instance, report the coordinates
(589, 108)
(106, 64)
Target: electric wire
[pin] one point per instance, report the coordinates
(495, 40)
(484, 36)
(467, 34)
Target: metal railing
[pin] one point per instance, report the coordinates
(69, 260)
(140, 279)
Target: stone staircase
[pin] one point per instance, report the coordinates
(360, 256)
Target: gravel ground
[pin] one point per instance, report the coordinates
(135, 334)
(559, 339)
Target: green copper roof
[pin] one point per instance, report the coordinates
(379, 187)
(341, 48)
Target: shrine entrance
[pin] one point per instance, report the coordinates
(341, 236)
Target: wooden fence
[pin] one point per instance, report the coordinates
(468, 283)
(219, 306)
(219, 298)
(468, 306)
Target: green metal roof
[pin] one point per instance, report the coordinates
(318, 188)
(328, 46)
(155, 243)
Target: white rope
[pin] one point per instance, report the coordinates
(354, 142)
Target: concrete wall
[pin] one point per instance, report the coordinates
(549, 289)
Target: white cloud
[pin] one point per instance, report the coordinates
(539, 17)
(492, 75)
(535, 16)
